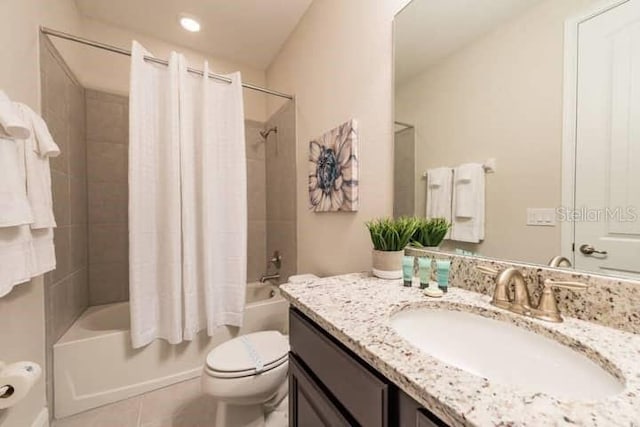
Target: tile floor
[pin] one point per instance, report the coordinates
(179, 405)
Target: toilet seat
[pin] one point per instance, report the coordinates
(248, 355)
(247, 372)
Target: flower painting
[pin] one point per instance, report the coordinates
(333, 170)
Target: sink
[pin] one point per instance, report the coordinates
(505, 353)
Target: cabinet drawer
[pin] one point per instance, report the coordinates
(359, 391)
(308, 405)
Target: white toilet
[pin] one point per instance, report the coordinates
(247, 376)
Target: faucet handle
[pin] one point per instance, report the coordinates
(487, 270)
(547, 307)
(561, 284)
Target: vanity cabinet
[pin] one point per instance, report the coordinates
(310, 406)
(331, 386)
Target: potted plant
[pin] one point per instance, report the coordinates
(430, 232)
(390, 237)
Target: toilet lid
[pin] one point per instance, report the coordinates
(249, 354)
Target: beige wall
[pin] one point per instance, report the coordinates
(19, 74)
(499, 97)
(22, 335)
(22, 338)
(338, 63)
(109, 72)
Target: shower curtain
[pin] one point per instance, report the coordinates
(187, 201)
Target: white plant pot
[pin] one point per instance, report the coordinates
(387, 264)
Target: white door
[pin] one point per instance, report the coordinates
(607, 192)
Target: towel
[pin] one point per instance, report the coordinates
(439, 193)
(39, 147)
(468, 203)
(11, 125)
(27, 250)
(17, 257)
(14, 204)
(24, 254)
(154, 201)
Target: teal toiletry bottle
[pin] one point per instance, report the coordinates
(424, 265)
(442, 268)
(407, 270)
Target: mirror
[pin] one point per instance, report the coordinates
(543, 97)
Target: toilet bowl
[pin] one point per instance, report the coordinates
(247, 376)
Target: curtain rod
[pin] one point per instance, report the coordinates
(115, 49)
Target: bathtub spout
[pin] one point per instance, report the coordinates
(268, 277)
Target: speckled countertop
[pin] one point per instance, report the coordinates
(355, 309)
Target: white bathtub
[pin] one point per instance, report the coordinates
(94, 363)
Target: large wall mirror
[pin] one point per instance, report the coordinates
(543, 96)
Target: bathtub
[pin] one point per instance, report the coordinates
(94, 363)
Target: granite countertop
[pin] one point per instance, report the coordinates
(355, 309)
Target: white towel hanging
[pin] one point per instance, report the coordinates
(11, 124)
(39, 147)
(439, 193)
(468, 203)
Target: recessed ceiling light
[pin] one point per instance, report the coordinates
(189, 23)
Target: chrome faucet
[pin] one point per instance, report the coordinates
(267, 277)
(276, 261)
(547, 308)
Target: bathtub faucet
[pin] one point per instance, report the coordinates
(268, 277)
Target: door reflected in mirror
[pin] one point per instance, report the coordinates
(544, 95)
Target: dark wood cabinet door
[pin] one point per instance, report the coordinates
(330, 386)
(309, 406)
(363, 394)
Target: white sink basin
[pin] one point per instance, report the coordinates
(505, 353)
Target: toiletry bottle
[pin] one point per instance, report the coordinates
(407, 270)
(424, 271)
(415, 282)
(442, 268)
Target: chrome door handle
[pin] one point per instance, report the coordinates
(590, 250)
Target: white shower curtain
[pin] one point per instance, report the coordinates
(187, 185)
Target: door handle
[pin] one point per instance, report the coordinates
(590, 250)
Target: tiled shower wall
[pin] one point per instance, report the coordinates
(281, 189)
(66, 288)
(257, 201)
(107, 178)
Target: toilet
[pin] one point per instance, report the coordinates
(247, 376)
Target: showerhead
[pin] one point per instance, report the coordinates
(265, 133)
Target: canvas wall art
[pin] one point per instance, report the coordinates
(333, 170)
